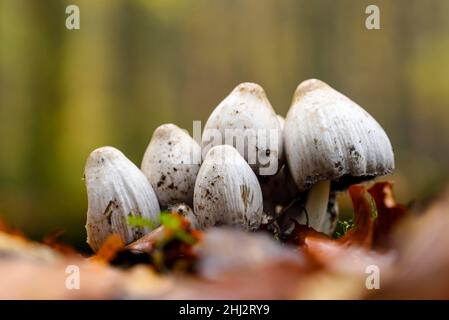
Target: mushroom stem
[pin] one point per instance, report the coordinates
(316, 204)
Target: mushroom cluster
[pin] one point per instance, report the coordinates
(251, 167)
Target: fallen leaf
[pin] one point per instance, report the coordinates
(221, 252)
(422, 241)
(5, 228)
(362, 232)
(52, 240)
(389, 213)
(109, 250)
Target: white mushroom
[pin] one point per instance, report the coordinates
(227, 191)
(171, 163)
(329, 138)
(246, 120)
(116, 188)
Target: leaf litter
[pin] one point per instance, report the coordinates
(175, 261)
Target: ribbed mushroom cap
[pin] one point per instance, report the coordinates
(327, 136)
(116, 188)
(227, 191)
(171, 163)
(244, 113)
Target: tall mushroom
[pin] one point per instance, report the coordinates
(331, 142)
(116, 189)
(227, 191)
(171, 163)
(246, 120)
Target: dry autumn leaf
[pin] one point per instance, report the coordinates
(109, 249)
(410, 251)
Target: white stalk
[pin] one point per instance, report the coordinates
(316, 204)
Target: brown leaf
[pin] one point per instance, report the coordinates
(422, 241)
(4, 227)
(148, 242)
(321, 247)
(389, 212)
(221, 252)
(362, 232)
(169, 245)
(368, 231)
(52, 240)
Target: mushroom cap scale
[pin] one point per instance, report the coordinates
(327, 136)
(116, 188)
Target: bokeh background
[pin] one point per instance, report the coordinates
(136, 64)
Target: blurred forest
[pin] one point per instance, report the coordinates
(134, 65)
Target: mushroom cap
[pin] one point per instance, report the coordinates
(171, 163)
(227, 191)
(116, 188)
(327, 136)
(247, 114)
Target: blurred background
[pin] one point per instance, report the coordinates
(134, 65)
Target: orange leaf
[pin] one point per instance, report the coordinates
(109, 249)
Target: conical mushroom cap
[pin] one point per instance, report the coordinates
(227, 191)
(171, 163)
(327, 136)
(247, 116)
(116, 188)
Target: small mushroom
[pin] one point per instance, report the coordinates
(116, 189)
(171, 163)
(331, 142)
(227, 191)
(246, 120)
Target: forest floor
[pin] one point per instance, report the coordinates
(390, 252)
